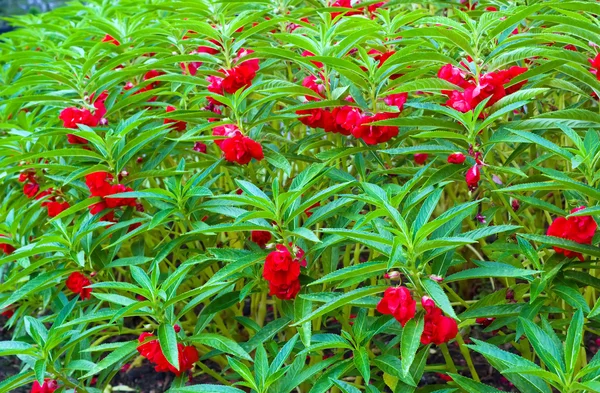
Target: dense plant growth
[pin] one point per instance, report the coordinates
(282, 196)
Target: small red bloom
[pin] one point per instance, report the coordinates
(485, 322)
(241, 149)
(453, 75)
(31, 189)
(98, 183)
(580, 229)
(438, 328)
(111, 39)
(445, 377)
(55, 208)
(595, 63)
(282, 272)
(49, 386)
(373, 134)
(187, 355)
(421, 158)
(397, 301)
(200, 147)
(261, 238)
(77, 283)
(6, 248)
(456, 158)
(178, 125)
(8, 313)
(472, 177)
(310, 54)
(397, 100)
(118, 202)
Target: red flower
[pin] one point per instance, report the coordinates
(457, 100)
(6, 248)
(241, 149)
(453, 75)
(438, 328)
(316, 85)
(397, 100)
(111, 39)
(118, 202)
(595, 63)
(187, 355)
(472, 177)
(72, 116)
(152, 74)
(31, 189)
(309, 209)
(485, 322)
(456, 158)
(27, 175)
(397, 301)
(282, 272)
(8, 313)
(49, 386)
(98, 183)
(346, 118)
(344, 4)
(421, 158)
(372, 134)
(580, 229)
(77, 283)
(55, 208)
(200, 147)
(261, 238)
(571, 47)
(178, 125)
(381, 57)
(310, 54)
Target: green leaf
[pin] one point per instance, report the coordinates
(221, 343)
(411, 339)
(472, 386)
(439, 297)
(340, 301)
(362, 363)
(573, 341)
(168, 343)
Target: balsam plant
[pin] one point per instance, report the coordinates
(307, 196)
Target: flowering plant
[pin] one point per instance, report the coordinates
(301, 196)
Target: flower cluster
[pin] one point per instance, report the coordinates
(100, 185)
(72, 116)
(282, 271)
(491, 86)
(49, 386)
(237, 147)
(580, 229)
(398, 302)
(79, 284)
(187, 355)
(239, 76)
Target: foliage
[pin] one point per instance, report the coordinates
(428, 145)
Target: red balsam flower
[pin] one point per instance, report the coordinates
(397, 301)
(77, 283)
(261, 238)
(421, 158)
(187, 355)
(49, 386)
(374, 134)
(456, 158)
(178, 125)
(472, 177)
(580, 229)
(438, 328)
(282, 271)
